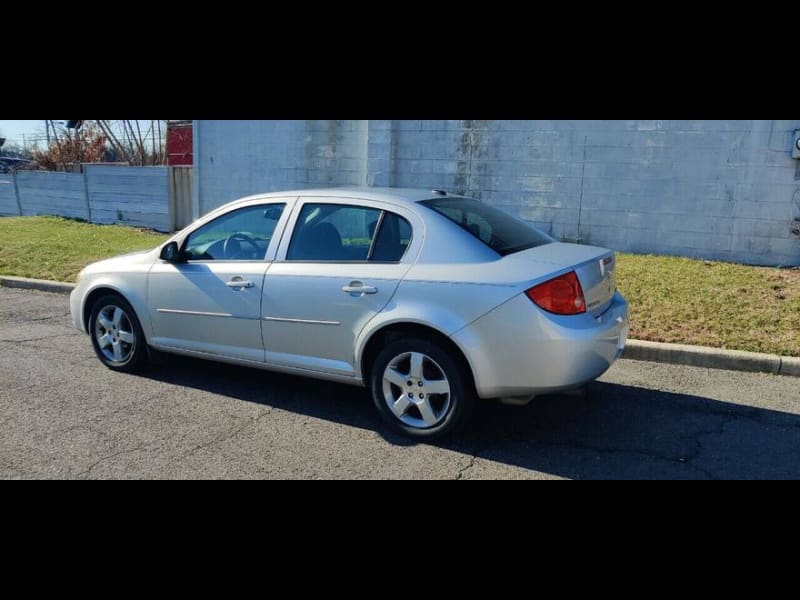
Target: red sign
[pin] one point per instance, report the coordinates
(179, 144)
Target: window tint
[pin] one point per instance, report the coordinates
(393, 239)
(333, 233)
(243, 234)
(497, 229)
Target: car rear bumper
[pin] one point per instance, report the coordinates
(520, 350)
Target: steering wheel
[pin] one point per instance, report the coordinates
(233, 248)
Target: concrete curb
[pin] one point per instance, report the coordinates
(712, 358)
(790, 366)
(55, 287)
(676, 354)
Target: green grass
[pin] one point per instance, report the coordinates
(724, 305)
(55, 248)
(677, 300)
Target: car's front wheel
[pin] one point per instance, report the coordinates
(117, 336)
(420, 389)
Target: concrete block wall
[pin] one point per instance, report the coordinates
(713, 189)
(129, 195)
(46, 193)
(8, 196)
(240, 158)
(125, 195)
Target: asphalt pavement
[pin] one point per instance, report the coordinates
(64, 415)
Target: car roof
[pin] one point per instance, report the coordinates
(384, 194)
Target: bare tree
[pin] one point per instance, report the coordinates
(14, 150)
(130, 144)
(69, 148)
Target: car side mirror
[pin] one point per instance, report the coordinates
(171, 253)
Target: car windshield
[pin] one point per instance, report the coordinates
(497, 229)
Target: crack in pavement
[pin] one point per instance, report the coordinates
(7, 321)
(463, 470)
(473, 458)
(143, 446)
(39, 339)
(37, 319)
(679, 460)
(683, 460)
(756, 415)
(85, 474)
(726, 418)
(224, 437)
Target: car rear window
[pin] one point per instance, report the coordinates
(502, 232)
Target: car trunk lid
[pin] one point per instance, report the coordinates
(595, 268)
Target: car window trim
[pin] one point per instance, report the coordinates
(375, 235)
(342, 262)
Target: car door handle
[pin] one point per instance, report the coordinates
(356, 287)
(238, 282)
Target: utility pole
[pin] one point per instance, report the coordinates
(47, 131)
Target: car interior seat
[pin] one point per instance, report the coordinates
(320, 242)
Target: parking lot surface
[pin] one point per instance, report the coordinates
(64, 415)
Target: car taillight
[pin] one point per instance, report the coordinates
(562, 295)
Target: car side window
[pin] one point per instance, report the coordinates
(242, 234)
(333, 233)
(393, 239)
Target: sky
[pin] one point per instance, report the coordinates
(13, 130)
(34, 131)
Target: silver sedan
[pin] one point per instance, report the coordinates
(429, 300)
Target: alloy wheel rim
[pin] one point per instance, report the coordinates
(416, 390)
(113, 331)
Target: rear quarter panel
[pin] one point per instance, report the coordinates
(444, 306)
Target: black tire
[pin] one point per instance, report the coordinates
(451, 410)
(133, 356)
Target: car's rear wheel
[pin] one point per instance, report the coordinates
(116, 334)
(420, 389)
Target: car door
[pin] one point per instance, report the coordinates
(211, 302)
(339, 267)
